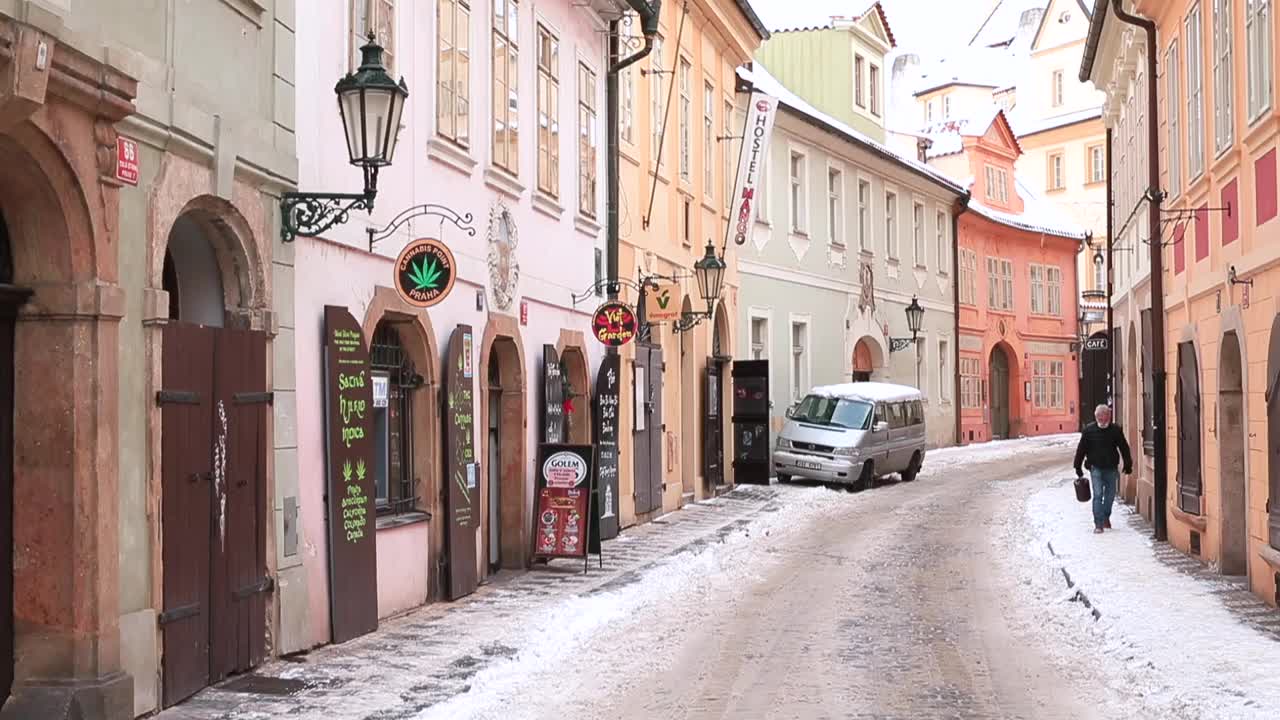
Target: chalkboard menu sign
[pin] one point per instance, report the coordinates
(552, 396)
(461, 490)
(350, 493)
(606, 418)
(561, 519)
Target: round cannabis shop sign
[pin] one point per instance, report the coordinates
(425, 272)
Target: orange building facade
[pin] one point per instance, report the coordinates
(1019, 372)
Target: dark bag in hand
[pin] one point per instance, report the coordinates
(1082, 489)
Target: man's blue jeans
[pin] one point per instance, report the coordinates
(1105, 482)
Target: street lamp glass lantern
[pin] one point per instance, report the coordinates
(371, 104)
(915, 316)
(709, 272)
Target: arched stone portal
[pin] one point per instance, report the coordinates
(1231, 447)
(503, 414)
(577, 375)
(1002, 391)
(689, 386)
(867, 357)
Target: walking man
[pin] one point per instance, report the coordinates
(1102, 446)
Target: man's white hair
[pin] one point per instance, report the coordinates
(1100, 409)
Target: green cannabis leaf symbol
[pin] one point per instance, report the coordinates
(360, 470)
(425, 276)
(346, 471)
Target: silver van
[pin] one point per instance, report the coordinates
(852, 434)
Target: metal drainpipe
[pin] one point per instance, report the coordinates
(961, 206)
(648, 13)
(1154, 199)
(1111, 326)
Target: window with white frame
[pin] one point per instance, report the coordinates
(1056, 171)
(917, 235)
(944, 370)
(799, 359)
(506, 84)
(1258, 29)
(1056, 89)
(942, 239)
(921, 351)
(970, 382)
(656, 100)
(928, 112)
(1037, 289)
(891, 223)
(1223, 80)
(997, 184)
(686, 120)
(796, 202)
(999, 284)
(859, 94)
(1099, 276)
(587, 142)
(968, 277)
(1048, 383)
(708, 140)
(627, 84)
(873, 83)
(548, 112)
(453, 71)
(1195, 93)
(1173, 96)
(835, 206)
(946, 107)
(759, 338)
(864, 215)
(380, 17)
(1097, 164)
(730, 171)
(1053, 289)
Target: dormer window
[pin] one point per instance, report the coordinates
(997, 184)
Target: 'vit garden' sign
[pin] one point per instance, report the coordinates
(353, 558)
(425, 272)
(755, 148)
(614, 324)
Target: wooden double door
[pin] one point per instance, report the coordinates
(214, 414)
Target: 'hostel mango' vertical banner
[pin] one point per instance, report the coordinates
(353, 557)
(761, 112)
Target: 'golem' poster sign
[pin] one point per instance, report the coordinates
(761, 112)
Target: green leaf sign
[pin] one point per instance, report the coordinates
(425, 272)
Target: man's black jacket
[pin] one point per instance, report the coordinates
(1103, 447)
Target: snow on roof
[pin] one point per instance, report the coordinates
(980, 66)
(1001, 26)
(1023, 128)
(1038, 214)
(869, 391)
(947, 136)
(789, 15)
(760, 78)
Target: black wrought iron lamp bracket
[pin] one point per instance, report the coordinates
(1235, 280)
(900, 344)
(312, 214)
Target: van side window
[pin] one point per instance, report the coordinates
(880, 413)
(897, 416)
(917, 413)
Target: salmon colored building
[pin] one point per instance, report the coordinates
(1017, 292)
(1218, 128)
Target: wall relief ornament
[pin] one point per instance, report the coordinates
(867, 295)
(504, 268)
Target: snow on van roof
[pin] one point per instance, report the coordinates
(873, 391)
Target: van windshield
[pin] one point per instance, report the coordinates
(837, 412)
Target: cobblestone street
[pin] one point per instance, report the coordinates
(909, 601)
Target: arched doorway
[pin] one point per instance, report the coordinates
(862, 362)
(1273, 434)
(213, 419)
(11, 298)
(503, 406)
(1187, 401)
(1231, 447)
(577, 391)
(688, 409)
(1000, 393)
(1095, 379)
(713, 404)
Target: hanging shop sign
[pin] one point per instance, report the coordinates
(605, 499)
(561, 522)
(614, 324)
(662, 304)
(462, 494)
(761, 112)
(425, 272)
(1097, 342)
(552, 396)
(353, 557)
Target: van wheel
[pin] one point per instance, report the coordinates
(783, 479)
(867, 478)
(913, 469)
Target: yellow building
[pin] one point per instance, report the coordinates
(679, 122)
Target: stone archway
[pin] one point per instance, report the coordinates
(577, 375)
(503, 423)
(1002, 391)
(866, 359)
(1233, 479)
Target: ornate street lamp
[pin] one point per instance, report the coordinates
(371, 104)
(915, 316)
(709, 272)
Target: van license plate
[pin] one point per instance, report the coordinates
(809, 465)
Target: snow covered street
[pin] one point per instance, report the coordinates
(938, 598)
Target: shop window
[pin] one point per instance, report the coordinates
(394, 381)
